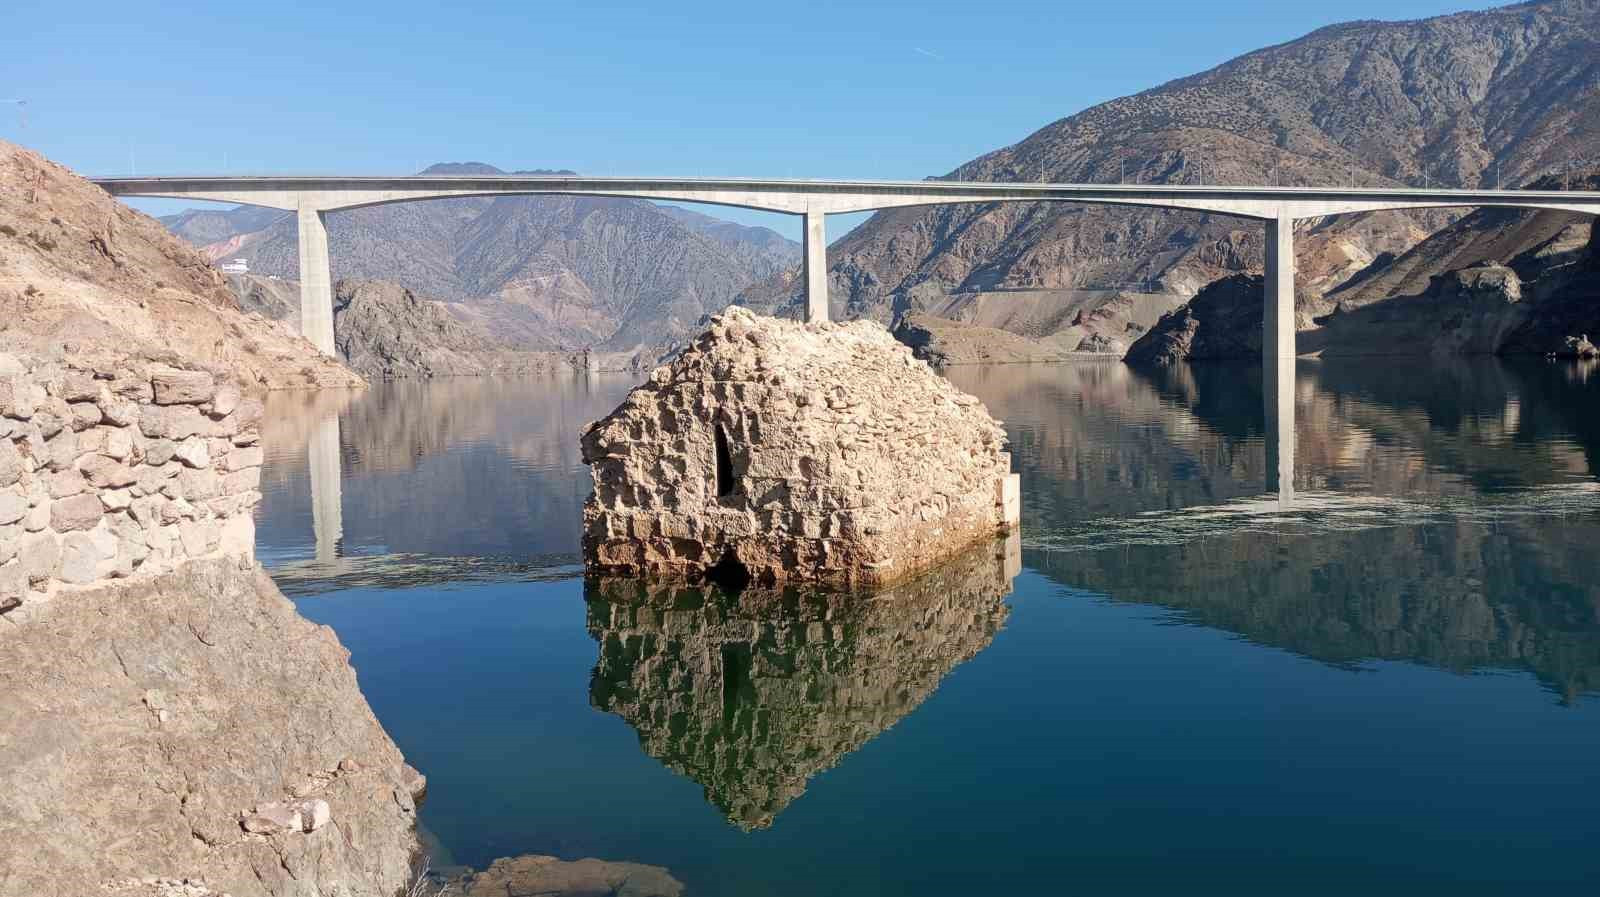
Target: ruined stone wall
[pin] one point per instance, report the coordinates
(821, 452)
(111, 471)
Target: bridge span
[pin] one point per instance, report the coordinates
(312, 198)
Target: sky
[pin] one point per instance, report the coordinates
(799, 89)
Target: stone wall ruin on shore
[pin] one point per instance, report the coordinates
(778, 451)
(107, 471)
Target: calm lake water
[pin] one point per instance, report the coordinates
(1171, 685)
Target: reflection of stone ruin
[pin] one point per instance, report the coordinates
(789, 452)
(753, 695)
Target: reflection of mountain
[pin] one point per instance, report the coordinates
(1461, 595)
(466, 467)
(752, 695)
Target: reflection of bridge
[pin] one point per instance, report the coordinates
(1279, 207)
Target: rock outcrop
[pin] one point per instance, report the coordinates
(1223, 322)
(83, 276)
(753, 694)
(777, 451)
(384, 331)
(547, 876)
(149, 727)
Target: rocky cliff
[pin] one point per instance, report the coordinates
(84, 276)
(547, 272)
(1489, 97)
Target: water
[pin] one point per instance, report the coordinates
(1171, 685)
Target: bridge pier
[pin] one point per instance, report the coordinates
(816, 266)
(1278, 355)
(316, 281)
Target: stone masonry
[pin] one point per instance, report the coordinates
(129, 468)
(781, 451)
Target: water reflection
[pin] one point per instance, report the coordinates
(752, 694)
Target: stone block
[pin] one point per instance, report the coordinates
(119, 444)
(172, 386)
(13, 586)
(104, 472)
(192, 453)
(19, 398)
(84, 415)
(61, 450)
(199, 537)
(79, 386)
(242, 481)
(12, 464)
(41, 556)
(198, 485)
(66, 482)
(225, 401)
(38, 517)
(159, 451)
(119, 412)
(79, 512)
(13, 505)
(116, 499)
(80, 558)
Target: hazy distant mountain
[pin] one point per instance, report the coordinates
(1478, 97)
(202, 227)
(545, 272)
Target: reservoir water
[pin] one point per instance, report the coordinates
(1169, 684)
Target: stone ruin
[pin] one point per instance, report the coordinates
(773, 451)
(108, 470)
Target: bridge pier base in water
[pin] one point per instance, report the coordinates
(1278, 355)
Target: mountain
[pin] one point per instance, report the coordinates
(204, 227)
(1499, 281)
(547, 272)
(84, 276)
(1490, 97)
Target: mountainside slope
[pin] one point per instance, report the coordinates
(81, 274)
(1479, 97)
(549, 272)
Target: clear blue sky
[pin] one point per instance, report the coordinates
(804, 89)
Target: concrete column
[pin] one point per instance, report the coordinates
(816, 267)
(1278, 354)
(327, 492)
(316, 281)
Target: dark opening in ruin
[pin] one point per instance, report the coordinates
(729, 573)
(724, 465)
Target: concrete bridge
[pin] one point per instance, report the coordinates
(1278, 207)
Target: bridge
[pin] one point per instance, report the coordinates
(312, 198)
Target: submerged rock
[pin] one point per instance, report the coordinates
(547, 876)
(774, 451)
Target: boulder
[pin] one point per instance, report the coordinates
(773, 451)
(178, 387)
